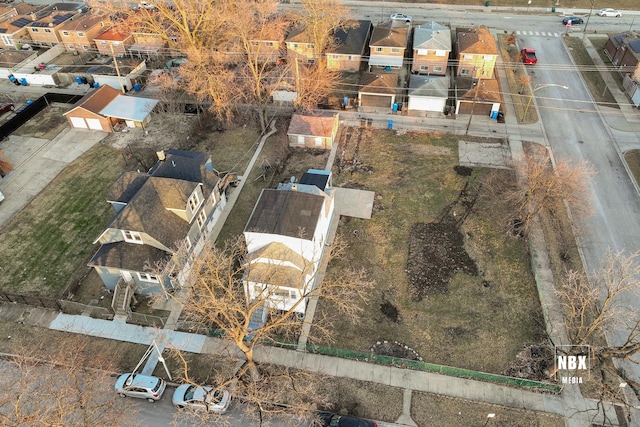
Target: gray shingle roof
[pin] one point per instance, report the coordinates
(352, 40)
(287, 213)
(432, 36)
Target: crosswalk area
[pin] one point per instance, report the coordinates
(538, 33)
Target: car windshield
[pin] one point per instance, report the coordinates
(157, 386)
(188, 395)
(216, 396)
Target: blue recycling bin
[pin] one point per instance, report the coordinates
(394, 108)
(389, 124)
(96, 85)
(79, 80)
(24, 82)
(136, 87)
(494, 115)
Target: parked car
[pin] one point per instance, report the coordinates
(6, 106)
(609, 12)
(401, 17)
(573, 19)
(140, 386)
(334, 420)
(529, 55)
(201, 398)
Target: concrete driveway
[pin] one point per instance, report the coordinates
(36, 162)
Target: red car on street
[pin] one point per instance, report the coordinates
(529, 56)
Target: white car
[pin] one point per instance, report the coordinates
(141, 386)
(401, 17)
(609, 12)
(201, 398)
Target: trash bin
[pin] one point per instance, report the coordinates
(500, 117)
(487, 3)
(389, 124)
(394, 108)
(494, 115)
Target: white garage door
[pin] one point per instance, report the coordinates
(94, 124)
(78, 122)
(421, 103)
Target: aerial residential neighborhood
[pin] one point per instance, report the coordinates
(319, 213)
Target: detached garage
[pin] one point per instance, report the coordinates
(103, 108)
(86, 113)
(428, 93)
(377, 91)
(313, 131)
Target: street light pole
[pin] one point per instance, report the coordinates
(535, 88)
(588, 17)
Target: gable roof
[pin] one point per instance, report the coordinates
(352, 40)
(390, 34)
(379, 83)
(434, 86)
(312, 125)
(84, 22)
(126, 186)
(112, 34)
(476, 41)
(190, 166)
(488, 89)
(287, 213)
(96, 100)
(281, 252)
(298, 34)
(432, 36)
(127, 256)
(129, 107)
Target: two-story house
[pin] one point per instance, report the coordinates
(267, 43)
(431, 49)
(388, 44)
(175, 204)
(285, 237)
(113, 42)
(13, 23)
(46, 22)
(623, 50)
(477, 53)
(79, 33)
(351, 47)
(300, 46)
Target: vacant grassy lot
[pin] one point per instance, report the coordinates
(45, 243)
(488, 309)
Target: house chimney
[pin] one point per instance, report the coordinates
(160, 155)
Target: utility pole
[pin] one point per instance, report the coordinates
(115, 61)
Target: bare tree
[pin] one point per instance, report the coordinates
(67, 384)
(217, 296)
(597, 305)
(543, 187)
(319, 19)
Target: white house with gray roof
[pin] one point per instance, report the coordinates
(285, 237)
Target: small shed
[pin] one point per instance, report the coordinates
(135, 111)
(313, 131)
(86, 113)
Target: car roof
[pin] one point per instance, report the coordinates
(137, 380)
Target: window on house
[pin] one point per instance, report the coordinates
(309, 46)
(132, 237)
(65, 33)
(468, 57)
(311, 61)
(35, 30)
(187, 242)
(254, 43)
(47, 30)
(72, 47)
(80, 34)
(424, 68)
(441, 52)
(395, 50)
(295, 45)
(102, 42)
(201, 219)
(464, 72)
(85, 47)
(379, 49)
(437, 68)
(116, 43)
(488, 57)
(282, 293)
(194, 201)
(270, 44)
(351, 57)
(146, 277)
